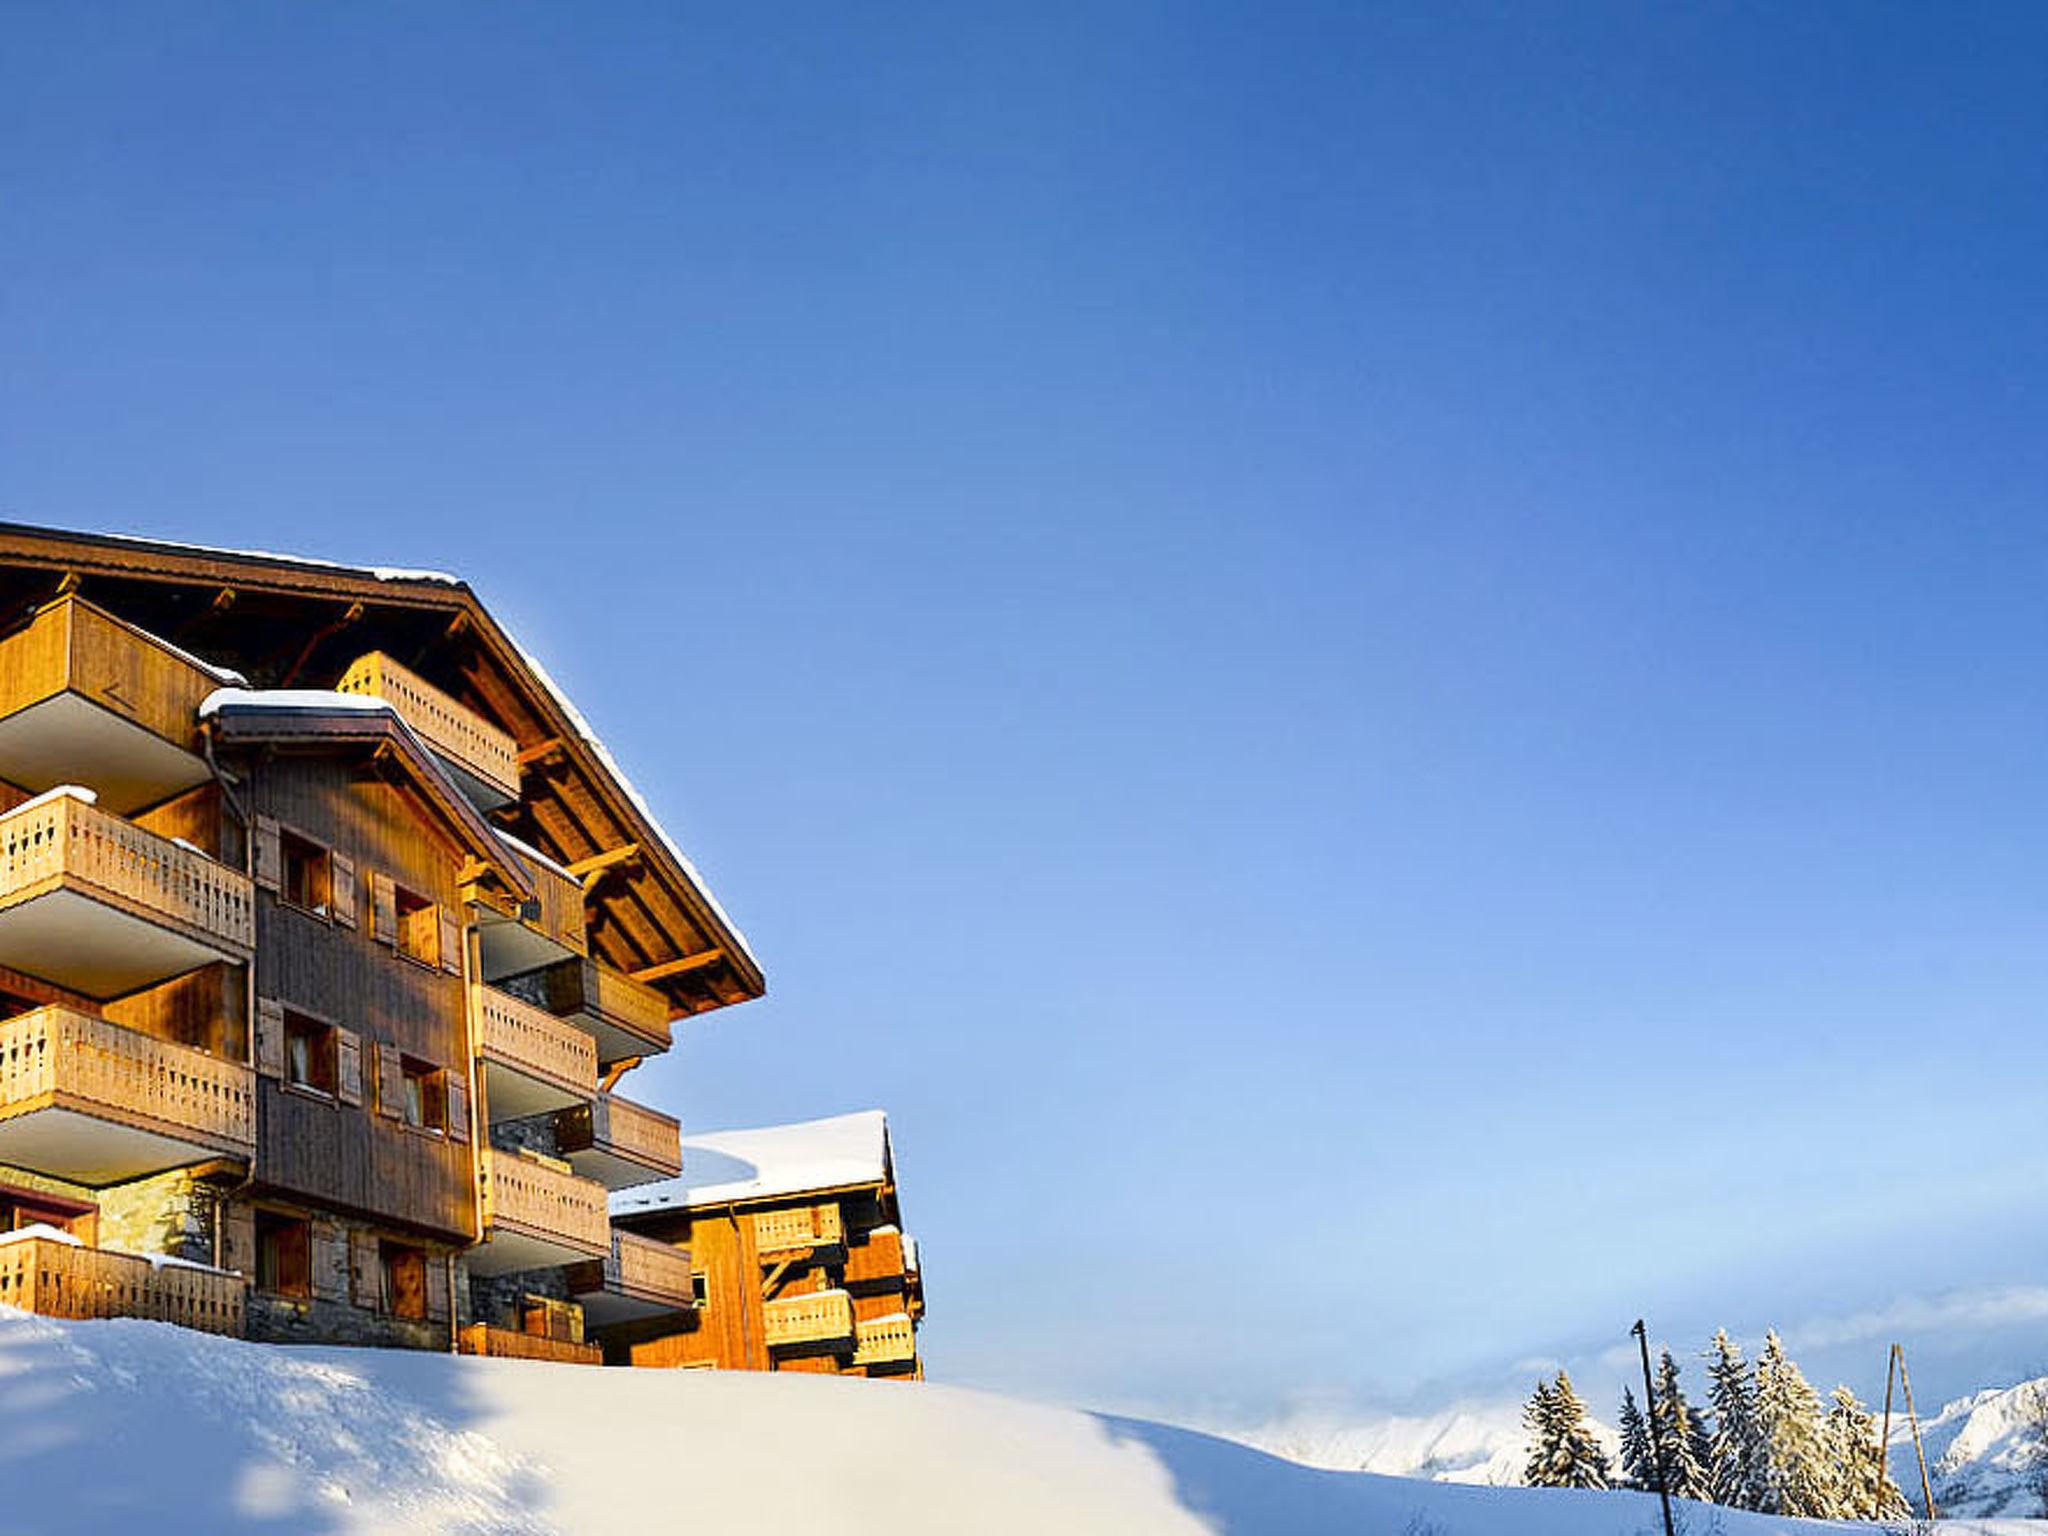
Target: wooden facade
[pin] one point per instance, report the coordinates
(790, 1278)
(320, 919)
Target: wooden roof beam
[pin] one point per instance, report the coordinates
(668, 969)
(592, 869)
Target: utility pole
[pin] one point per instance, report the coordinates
(1656, 1440)
(1906, 1385)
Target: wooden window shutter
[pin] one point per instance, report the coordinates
(437, 1288)
(383, 908)
(269, 853)
(330, 1262)
(348, 1066)
(451, 943)
(238, 1239)
(390, 1081)
(270, 1037)
(458, 1106)
(366, 1270)
(343, 883)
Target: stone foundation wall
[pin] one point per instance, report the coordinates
(173, 1213)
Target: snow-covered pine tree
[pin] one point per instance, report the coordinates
(1636, 1471)
(1734, 1457)
(1539, 1417)
(1798, 1478)
(1864, 1488)
(1675, 1432)
(1563, 1450)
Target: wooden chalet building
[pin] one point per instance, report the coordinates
(327, 934)
(801, 1262)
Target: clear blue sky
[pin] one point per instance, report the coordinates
(1381, 667)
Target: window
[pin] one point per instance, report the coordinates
(309, 1056)
(419, 928)
(426, 1095)
(405, 1279)
(700, 1288)
(307, 878)
(284, 1255)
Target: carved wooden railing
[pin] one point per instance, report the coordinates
(824, 1317)
(641, 1266)
(890, 1340)
(626, 1130)
(60, 838)
(805, 1226)
(879, 1258)
(542, 1201)
(454, 730)
(533, 1040)
(58, 1279)
(58, 1056)
(511, 1344)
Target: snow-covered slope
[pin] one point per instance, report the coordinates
(1468, 1442)
(139, 1426)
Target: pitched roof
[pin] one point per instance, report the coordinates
(770, 1162)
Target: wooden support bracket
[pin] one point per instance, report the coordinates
(774, 1278)
(592, 869)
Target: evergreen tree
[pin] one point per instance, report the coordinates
(1734, 1459)
(1864, 1486)
(1636, 1471)
(1676, 1433)
(1798, 1478)
(1563, 1450)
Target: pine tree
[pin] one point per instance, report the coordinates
(1676, 1433)
(1636, 1471)
(1798, 1477)
(1563, 1450)
(1864, 1486)
(1734, 1459)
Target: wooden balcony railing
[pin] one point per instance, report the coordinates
(877, 1260)
(73, 663)
(626, 1143)
(824, 1317)
(482, 751)
(59, 1059)
(533, 1041)
(511, 1344)
(890, 1340)
(780, 1232)
(62, 841)
(639, 1269)
(528, 1197)
(58, 1279)
(627, 1017)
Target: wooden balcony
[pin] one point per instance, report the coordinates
(92, 1102)
(534, 1063)
(538, 1215)
(619, 1143)
(511, 1344)
(86, 698)
(822, 1321)
(642, 1278)
(483, 760)
(99, 906)
(875, 1261)
(884, 1343)
(544, 931)
(780, 1234)
(60, 1279)
(627, 1018)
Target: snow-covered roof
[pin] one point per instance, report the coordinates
(323, 700)
(374, 572)
(768, 1162)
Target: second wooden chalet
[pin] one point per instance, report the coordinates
(800, 1259)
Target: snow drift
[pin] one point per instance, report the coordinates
(132, 1425)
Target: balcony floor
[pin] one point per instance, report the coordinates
(607, 1308)
(91, 946)
(86, 1148)
(68, 739)
(612, 1170)
(514, 1094)
(504, 1252)
(508, 947)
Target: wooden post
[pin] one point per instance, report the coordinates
(1913, 1418)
